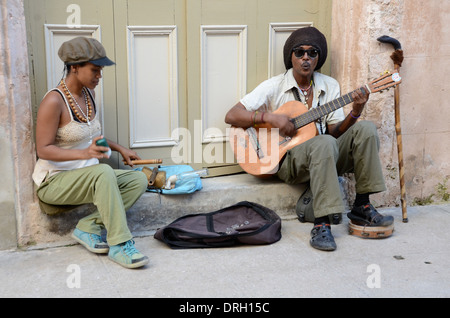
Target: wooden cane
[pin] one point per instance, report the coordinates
(144, 162)
(397, 58)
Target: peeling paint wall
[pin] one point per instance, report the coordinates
(357, 57)
(17, 150)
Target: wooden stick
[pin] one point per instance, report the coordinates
(144, 161)
(397, 58)
(398, 131)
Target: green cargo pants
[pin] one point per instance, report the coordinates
(111, 191)
(323, 158)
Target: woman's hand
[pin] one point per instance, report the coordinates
(127, 154)
(95, 151)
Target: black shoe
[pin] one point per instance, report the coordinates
(366, 215)
(321, 237)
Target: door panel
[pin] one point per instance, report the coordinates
(152, 90)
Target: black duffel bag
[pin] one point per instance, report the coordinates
(242, 223)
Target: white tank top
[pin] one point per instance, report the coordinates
(74, 135)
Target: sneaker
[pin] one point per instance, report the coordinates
(321, 237)
(366, 215)
(127, 255)
(92, 242)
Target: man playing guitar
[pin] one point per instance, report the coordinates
(340, 144)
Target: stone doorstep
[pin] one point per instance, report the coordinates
(154, 210)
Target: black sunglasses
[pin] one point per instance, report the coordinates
(312, 53)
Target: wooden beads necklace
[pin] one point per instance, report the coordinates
(72, 102)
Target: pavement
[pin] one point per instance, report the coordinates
(412, 263)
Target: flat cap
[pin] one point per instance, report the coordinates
(82, 49)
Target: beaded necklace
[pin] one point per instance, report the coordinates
(306, 92)
(297, 97)
(72, 102)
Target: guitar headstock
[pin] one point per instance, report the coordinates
(386, 81)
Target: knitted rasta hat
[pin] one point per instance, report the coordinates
(306, 36)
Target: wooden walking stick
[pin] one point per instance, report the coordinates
(397, 58)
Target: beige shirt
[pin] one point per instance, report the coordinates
(74, 135)
(276, 91)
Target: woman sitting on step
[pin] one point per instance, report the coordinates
(68, 171)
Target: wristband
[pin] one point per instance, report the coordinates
(355, 117)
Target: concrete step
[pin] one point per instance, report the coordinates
(154, 210)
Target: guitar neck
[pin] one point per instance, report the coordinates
(323, 110)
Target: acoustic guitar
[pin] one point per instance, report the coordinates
(258, 150)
